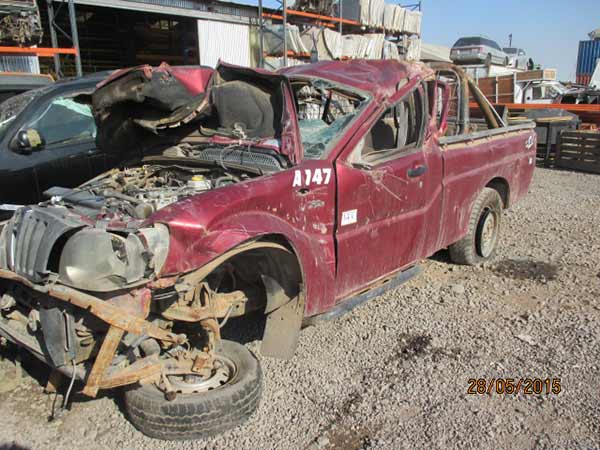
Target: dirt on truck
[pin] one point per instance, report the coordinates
(298, 195)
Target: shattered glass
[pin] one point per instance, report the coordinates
(316, 134)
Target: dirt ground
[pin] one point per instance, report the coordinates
(394, 373)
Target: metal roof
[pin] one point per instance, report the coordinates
(215, 10)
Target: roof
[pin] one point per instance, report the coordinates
(379, 77)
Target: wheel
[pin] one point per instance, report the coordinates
(488, 59)
(506, 61)
(484, 230)
(203, 407)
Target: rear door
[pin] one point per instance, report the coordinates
(381, 196)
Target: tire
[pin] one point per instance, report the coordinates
(196, 416)
(506, 61)
(482, 237)
(488, 60)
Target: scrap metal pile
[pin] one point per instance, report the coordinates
(378, 19)
(20, 22)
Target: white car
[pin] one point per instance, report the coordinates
(517, 57)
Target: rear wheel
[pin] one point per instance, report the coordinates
(483, 234)
(202, 407)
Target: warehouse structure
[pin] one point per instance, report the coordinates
(86, 36)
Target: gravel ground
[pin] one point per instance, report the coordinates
(394, 373)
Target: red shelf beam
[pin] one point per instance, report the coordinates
(37, 51)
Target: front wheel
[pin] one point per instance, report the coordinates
(202, 407)
(483, 234)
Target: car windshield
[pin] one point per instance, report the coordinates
(510, 51)
(12, 107)
(323, 115)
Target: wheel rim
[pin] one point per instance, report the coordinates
(488, 235)
(224, 371)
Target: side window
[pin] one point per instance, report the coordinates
(65, 120)
(397, 130)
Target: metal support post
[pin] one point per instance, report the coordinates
(75, 37)
(53, 38)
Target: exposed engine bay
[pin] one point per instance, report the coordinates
(180, 172)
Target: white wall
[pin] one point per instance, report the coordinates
(229, 42)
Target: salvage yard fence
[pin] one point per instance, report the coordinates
(579, 150)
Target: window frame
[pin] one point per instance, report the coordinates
(30, 123)
(356, 156)
(343, 89)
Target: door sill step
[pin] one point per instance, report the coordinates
(350, 303)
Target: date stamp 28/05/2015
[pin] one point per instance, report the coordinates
(514, 386)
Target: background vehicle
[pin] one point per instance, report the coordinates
(298, 194)
(16, 83)
(47, 138)
(477, 49)
(517, 58)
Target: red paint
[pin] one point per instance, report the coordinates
(400, 220)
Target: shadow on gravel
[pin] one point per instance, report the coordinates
(442, 256)
(523, 269)
(12, 446)
(40, 373)
(245, 329)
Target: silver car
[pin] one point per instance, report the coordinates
(517, 57)
(477, 50)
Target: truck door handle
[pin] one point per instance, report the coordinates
(416, 171)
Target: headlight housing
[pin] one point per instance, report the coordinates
(98, 260)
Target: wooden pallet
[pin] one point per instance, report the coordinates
(579, 150)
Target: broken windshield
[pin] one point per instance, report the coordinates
(323, 115)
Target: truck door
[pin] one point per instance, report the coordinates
(382, 195)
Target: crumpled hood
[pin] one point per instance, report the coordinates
(148, 107)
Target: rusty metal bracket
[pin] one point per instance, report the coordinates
(142, 369)
(103, 360)
(114, 316)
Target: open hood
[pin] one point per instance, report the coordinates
(154, 107)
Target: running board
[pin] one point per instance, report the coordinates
(349, 304)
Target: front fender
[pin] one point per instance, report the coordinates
(207, 225)
(316, 256)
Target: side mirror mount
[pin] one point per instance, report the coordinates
(28, 141)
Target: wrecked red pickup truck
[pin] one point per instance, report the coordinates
(298, 194)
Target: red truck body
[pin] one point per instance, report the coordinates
(399, 219)
(298, 195)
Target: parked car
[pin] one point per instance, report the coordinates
(12, 83)
(297, 194)
(47, 138)
(477, 50)
(517, 58)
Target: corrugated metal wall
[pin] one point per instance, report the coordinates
(229, 42)
(589, 52)
(28, 64)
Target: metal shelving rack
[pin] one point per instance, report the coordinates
(55, 51)
(309, 18)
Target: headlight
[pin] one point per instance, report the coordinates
(97, 260)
